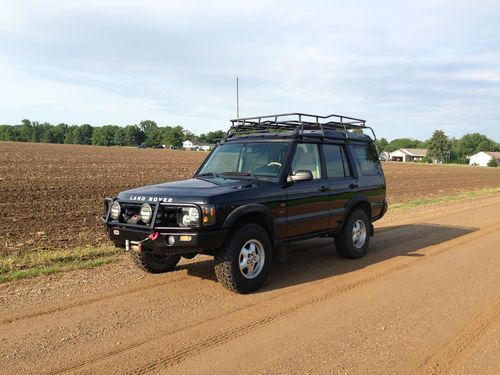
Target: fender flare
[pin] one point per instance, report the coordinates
(357, 199)
(249, 209)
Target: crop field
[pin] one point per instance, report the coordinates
(51, 195)
(429, 282)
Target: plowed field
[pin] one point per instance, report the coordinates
(51, 195)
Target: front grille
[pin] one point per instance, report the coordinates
(168, 216)
(165, 217)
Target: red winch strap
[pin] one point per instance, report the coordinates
(153, 236)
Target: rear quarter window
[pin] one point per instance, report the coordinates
(367, 159)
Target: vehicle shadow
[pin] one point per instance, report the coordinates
(316, 259)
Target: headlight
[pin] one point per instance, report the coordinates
(115, 210)
(189, 216)
(146, 213)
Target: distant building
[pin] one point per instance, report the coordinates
(188, 145)
(483, 157)
(408, 154)
(384, 156)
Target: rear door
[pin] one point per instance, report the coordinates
(308, 203)
(339, 180)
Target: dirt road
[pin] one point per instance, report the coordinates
(426, 299)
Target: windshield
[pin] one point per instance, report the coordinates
(259, 159)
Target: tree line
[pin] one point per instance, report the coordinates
(146, 133)
(441, 147)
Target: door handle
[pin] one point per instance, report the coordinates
(353, 186)
(324, 188)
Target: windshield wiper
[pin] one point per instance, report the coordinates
(208, 174)
(240, 175)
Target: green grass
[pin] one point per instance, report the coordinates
(446, 198)
(21, 266)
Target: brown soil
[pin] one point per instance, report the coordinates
(425, 299)
(51, 195)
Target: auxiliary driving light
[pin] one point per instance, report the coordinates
(146, 212)
(115, 210)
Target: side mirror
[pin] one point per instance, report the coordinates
(301, 175)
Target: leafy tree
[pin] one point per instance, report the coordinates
(45, 132)
(492, 163)
(119, 139)
(189, 136)
(58, 133)
(36, 131)
(133, 135)
(69, 135)
(398, 143)
(439, 146)
(10, 133)
(151, 132)
(213, 137)
(381, 145)
(174, 136)
(104, 135)
(26, 130)
(471, 144)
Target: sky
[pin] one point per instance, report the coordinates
(407, 67)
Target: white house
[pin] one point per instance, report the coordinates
(187, 145)
(384, 156)
(408, 154)
(483, 157)
(204, 147)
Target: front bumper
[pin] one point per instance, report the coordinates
(198, 242)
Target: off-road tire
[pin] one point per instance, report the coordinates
(154, 263)
(344, 240)
(226, 260)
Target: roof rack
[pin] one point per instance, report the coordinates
(297, 122)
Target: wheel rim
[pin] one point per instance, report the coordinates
(359, 234)
(251, 259)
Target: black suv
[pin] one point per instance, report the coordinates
(271, 180)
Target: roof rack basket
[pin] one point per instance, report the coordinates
(297, 122)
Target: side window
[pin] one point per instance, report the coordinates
(307, 158)
(336, 162)
(368, 159)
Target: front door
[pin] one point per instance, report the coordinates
(308, 202)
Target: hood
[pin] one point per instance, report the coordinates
(194, 190)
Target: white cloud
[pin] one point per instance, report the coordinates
(408, 67)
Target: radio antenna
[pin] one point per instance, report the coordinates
(237, 99)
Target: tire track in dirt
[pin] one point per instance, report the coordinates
(269, 306)
(205, 272)
(456, 349)
(89, 301)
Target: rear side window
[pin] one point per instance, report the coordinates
(368, 159)
(336, 162)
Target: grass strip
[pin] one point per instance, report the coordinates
(446, 198)
(22, 266)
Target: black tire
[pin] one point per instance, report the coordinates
(227, 260)
(154, 263)
(347, 247)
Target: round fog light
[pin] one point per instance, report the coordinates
(115, 210)
(171, 240)
(146, 212)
